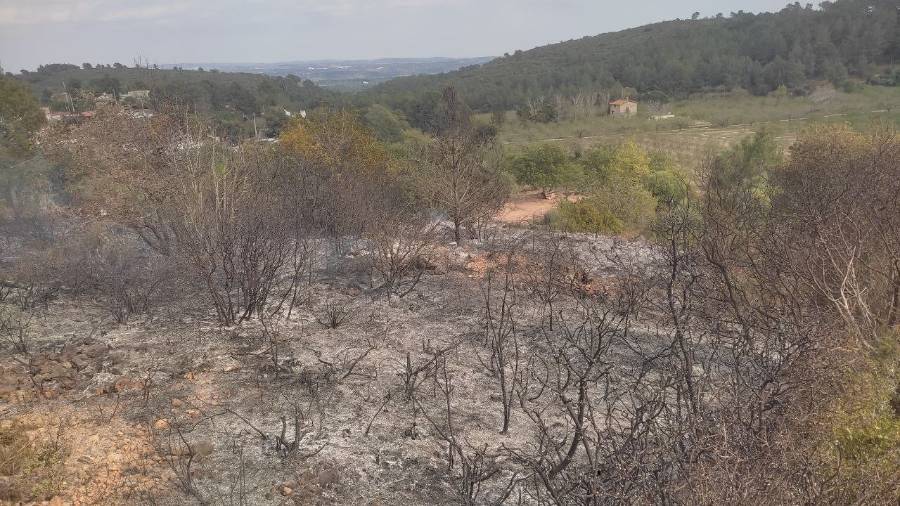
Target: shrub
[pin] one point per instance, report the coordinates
(668, 186)
(629, 202)
(128, 279)
(546, 167)
(586, 216)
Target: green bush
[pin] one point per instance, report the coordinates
(668, 186)
(545, 167)
(586, 216)
(864, 441)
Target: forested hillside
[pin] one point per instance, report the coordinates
(835, 41)
(230, 98)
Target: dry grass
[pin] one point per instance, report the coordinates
(709, 123)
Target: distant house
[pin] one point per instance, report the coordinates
(623, 107)
(138, 94)
(104, 99)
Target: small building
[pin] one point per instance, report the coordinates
(104, 99)
(623, 107)
(138, 94)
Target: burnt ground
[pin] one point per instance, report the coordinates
(173, 408)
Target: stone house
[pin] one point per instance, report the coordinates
(623, 107)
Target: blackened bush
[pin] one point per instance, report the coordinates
(128, 279)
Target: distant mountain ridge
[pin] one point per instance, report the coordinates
(344, 74)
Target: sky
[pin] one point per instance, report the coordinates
(33, 32)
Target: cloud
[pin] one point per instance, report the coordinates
(344, 7)
(13, 12)
(34, 12)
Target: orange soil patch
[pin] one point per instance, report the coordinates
(530, 205)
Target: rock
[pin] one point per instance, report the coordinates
(177, 403)
(95, 350)
(126, 383)
(117, 357)
(202, 449)
(161, 424)
(79, 362)
(105, 383)
(286, 490)
(328, 478)
(229, 364)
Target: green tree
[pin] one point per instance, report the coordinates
(20, 169)
(607, 164)
(20, 116)
(586, 216)
(546, 167)
(384, 123)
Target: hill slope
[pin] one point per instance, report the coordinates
(757, 52)
(232, 99)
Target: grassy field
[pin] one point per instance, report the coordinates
(708, 123)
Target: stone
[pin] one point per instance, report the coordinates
(229, 364)
(79, 362)
(161, 424)
(117, 357)
(286, 491)
(125, 383)
(202, 449)
(95, 350)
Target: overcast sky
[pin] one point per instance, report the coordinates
(33, 32)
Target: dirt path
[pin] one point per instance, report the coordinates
(530, 205)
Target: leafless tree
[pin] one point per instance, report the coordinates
(501, 333)
(15, 328)
(470, 469)
(460, 174)
(551, 269)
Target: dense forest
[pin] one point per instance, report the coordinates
(837, 41)
(231, 99)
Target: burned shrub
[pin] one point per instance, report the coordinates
(401, 244)
(15, 326)
(333, 314)
(128, 280)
